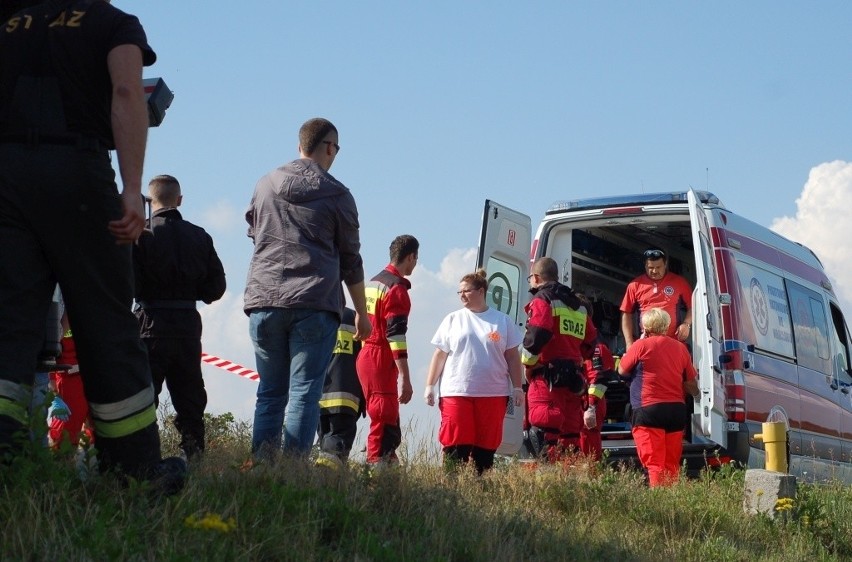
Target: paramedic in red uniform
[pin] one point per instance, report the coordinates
(597, 370)
(383, 362)
(661, 373)
(657, 287)
(559, 336)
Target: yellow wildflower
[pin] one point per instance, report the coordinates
(784, 504)
(211, 522)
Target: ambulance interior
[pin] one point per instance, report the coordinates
(599, 257)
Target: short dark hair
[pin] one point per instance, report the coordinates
(164, 189)
(313, 132)
(402, 246)
(546, 268)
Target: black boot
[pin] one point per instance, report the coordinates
(534, 442)
(138, 456)
(483, 459)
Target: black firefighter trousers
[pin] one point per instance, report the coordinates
(55, 204)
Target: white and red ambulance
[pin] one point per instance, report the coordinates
(769, 339)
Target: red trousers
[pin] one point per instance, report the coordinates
(558, 411)
(70, 389)
(590, 439)
(469, 420)
(659, 452)
(378, 375)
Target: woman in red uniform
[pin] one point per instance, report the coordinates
(660, 372)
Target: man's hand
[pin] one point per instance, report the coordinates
(405, 390)
(518, 397)
(129, 227)
(363, 328)
(683, 331)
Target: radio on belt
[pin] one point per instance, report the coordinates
(159, 98)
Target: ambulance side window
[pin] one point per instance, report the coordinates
(810, 328)
(840, 337)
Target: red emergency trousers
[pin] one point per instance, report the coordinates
(558, 411)
(558, 327)
(388, 306)
(596, 369)
(69, 387)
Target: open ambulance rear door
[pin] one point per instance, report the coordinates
(504, 253)
(706, 330)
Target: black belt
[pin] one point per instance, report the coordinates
(34, 140)
(183, 304)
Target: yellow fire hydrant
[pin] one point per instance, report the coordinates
(774, 438)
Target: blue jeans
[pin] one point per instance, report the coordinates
(293, 348)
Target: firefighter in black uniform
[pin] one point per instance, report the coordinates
(342, 401)
(71, 91)
(175, 266)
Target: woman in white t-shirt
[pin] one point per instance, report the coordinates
(478, 363)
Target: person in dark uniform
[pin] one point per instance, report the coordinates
(175, 266)
(342, 401)
(71, 91)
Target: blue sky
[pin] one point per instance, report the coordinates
(441, 105)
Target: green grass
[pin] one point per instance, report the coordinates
(294, 511)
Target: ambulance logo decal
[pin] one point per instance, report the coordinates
(759, 306)
(668, 290)
(500, 293)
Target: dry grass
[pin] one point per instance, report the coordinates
(292, 510)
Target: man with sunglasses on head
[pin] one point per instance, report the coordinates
(657, 288)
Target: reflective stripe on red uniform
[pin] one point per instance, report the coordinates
(557, 329)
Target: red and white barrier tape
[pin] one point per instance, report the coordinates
(229, 366)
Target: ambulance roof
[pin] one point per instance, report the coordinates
(639, 199)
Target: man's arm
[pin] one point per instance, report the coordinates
(684, 330)
(363, 328)
(129, 117)
(627, 329)
(213, 287)
(404, 383)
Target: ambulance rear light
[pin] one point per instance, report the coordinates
(735, 396)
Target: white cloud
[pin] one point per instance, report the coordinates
(222, 216)
(433, 296)
(822, 223)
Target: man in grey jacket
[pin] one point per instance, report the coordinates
(304, 224)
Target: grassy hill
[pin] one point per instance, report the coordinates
(293, 510)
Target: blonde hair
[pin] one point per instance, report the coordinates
(656, 321)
